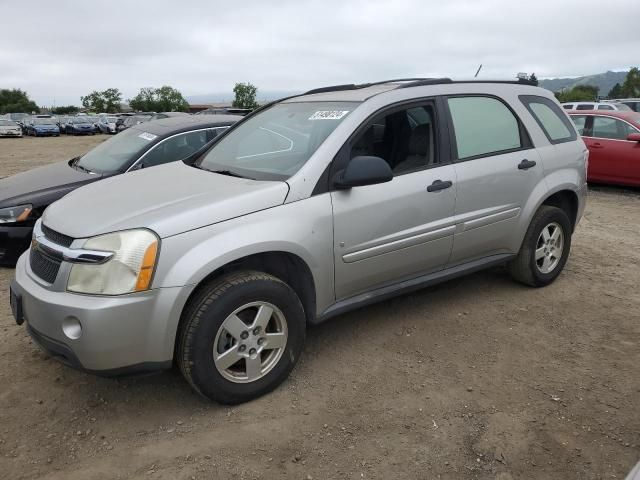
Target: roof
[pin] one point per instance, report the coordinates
(188, 122)
(633, 117)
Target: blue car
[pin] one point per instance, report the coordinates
(80, 126)
(43, 127)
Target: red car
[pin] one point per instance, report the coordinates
(613, 140)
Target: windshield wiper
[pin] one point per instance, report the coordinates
(84, 169)
(230, 173)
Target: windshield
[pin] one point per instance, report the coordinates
(623, 107)
(44, 121)
(117, 152)
(80, 120)
(110, 119)
(275, 143)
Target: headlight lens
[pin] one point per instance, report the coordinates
(129, 270)
(15, 214)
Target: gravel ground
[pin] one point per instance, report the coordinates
(478, 378)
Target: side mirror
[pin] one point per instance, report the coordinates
(634, 137)
(363, 170)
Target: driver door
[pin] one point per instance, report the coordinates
(392, 231)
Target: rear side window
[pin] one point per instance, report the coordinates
(483, 126)
(585, 106)
(553, 121)
(580, 121)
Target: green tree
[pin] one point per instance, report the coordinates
(16, 101)
(112, 98)
(533, 79)
(105, 101)
(65, 110)
(163, 99)
(245, 96)
(579, 93)
(631, 85)
(615, 92)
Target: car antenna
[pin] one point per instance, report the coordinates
(478, 71)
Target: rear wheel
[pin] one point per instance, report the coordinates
(241, 336)
(545, 248)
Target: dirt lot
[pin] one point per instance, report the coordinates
(477, 378)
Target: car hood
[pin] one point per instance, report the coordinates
(38, 185)
(168, 199)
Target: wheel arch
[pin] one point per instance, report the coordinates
(286, 266)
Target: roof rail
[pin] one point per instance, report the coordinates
(426, 81)
(353, 86)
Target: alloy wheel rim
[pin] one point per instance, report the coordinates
(250, 342)
(549, 248)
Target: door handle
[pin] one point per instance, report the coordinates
(597, 145)
(526, 164)
(439, 185)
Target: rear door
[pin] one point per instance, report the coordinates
(496, 170)
(397, 230)
(612, 158)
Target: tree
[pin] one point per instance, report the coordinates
(245, 96)
(65, 110)
(578, 93)
(631, 85)
(615, 92)
(16, 101)
(105, 101)
(163, 99)
(533, 79)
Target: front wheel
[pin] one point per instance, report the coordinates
(241, 336)
(545, 248)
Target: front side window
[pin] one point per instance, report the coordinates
(483, 126)
(177, 148)
(405, 139)
(611, 128)
(605, 107)
(275, 143)
(551, 119)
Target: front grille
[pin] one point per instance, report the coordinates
(56, 237)
(44, 266)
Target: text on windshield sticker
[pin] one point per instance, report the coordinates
(328, 115)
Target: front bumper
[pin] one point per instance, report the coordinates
(11, 134)
(121, 334)
(13, 242)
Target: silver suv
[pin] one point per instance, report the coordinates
(314, 205)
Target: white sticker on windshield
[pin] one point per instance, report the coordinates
(148, 136)
(328, 115)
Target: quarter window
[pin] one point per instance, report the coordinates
(482, 126)
(551, 119)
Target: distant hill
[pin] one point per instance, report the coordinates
(604, 81)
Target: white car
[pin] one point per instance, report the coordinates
(107, 124)
(9, 128)
(617, 106)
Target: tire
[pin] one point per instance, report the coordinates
(203, 335)
(552, 257)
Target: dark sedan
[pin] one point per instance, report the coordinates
(23, 197)
(43, 127)
(80, 126)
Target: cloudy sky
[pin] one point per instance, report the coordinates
(59, 50)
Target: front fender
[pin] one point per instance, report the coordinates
(301, 228)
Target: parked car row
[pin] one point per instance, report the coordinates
(622, 104)
(308, 208)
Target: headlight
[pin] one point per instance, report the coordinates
(129, 270)
(15, 214)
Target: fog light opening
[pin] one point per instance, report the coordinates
(72, 328)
